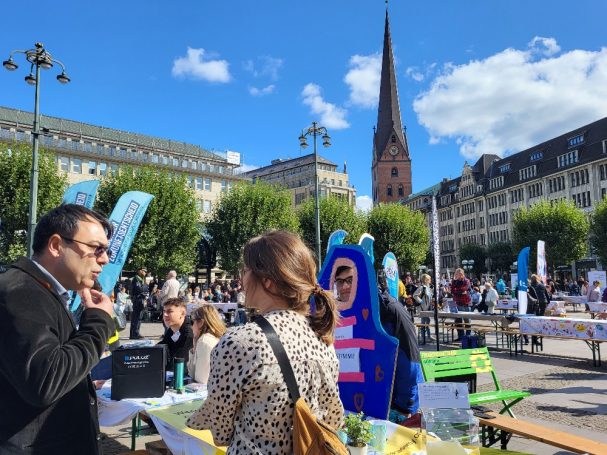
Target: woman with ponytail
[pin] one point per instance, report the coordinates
(248, 406)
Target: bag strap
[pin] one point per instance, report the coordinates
(281, 356)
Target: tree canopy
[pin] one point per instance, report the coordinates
(598, 231)
(335, 214)
(501, 255)
(250, 209)
(477, 253)
(561, 225)
(167, 235)
(398, 229)
(15, 174)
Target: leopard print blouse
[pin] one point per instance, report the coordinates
(249, 407)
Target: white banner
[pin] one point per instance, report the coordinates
(541, 261)
(435, 244)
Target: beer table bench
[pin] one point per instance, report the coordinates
(501, 428)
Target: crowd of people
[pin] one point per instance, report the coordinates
(44, 377)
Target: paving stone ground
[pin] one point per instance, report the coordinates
(568, 392)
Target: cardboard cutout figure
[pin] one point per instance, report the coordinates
(367, 354)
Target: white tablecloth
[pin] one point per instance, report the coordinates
(598, 307)
(112, 413)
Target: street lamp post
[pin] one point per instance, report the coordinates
(314, 131)
(38, 58)
(468, 265)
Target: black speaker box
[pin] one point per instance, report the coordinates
(138, 372)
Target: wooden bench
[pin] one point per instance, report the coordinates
(501, 428)
(462, 362)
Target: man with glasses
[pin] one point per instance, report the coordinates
(48, 398)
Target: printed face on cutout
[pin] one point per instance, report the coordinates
(344, 281)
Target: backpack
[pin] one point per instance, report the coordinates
(311, 436)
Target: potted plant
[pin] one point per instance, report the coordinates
(359, 433)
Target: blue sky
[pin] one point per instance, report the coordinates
(474, 76)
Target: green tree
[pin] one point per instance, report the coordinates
(561, 225)
(248, 210)
(335, 214)
(398, 229)
(501, 255)
(475, 252)
(598, 230)
(167, 236)
(15, 168)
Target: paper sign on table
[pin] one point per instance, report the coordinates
(435, 395)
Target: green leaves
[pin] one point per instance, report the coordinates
(167, 235)
(334, 214)
(598, 230)
(561, 225)
(15, 173)
(398, 229)
(245, 212)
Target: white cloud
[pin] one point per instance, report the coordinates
(245, 168)
(331, 116)
(414, 73)
(196, 65)
(261, 91)
(364, 203)
(545, 46)
(515, 98)
(264, 66)
(363, 78)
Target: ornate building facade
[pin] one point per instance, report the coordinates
(86, 152)
(297, 175)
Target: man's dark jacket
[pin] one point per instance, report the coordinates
(48, 401)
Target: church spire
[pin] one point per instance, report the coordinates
(388, 113)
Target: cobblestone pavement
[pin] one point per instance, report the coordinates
(568, 393)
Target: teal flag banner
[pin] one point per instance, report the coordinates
(82, 193)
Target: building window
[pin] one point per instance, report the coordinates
(64, 163)
(206, 206)
(102, 168)
(165, 160)
(575, 140)
(496, 182)
(175, 162)
(504, 168)
(394, 172)
(389, 190)
(113, 168)
(224, 186)
(535, 156)
(198, 183)
(207, 184)
(401, 190)
(567, 158)
(527, 173)
(393, 138)
(155, 158)
(76, 166)
(92, 168)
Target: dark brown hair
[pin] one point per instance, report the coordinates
(283, 258)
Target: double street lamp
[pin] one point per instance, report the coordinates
(314, 131)
(38, 58)
(468, 265)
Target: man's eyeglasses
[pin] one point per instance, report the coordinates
(339, 282)
(99, 250)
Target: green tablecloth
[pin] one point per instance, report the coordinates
(492, 451)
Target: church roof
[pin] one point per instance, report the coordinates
(388, 113)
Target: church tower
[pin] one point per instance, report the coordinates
(391, 165)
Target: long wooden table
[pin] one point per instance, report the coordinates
(501, 428)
